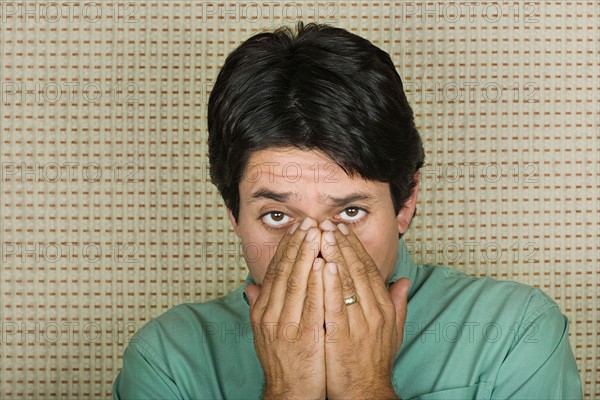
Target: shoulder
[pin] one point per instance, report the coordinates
(482, 331)
(188, 350)
(484, 298)
(187, 323)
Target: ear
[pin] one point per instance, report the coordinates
(406, 214)
(233, 223)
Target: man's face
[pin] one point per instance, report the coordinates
(284, 186)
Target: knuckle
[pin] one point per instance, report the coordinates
(377, 318)
(292, 332)
(348, 284)
(338, 311)
(389, 309)
(370, 265)
(279, 251)
(290, 251)
(308, 250)
(268, 319)
(358, 268)
(279, 271)
(344, 244)
(376, 278)
(270, 274)
(294, 285)
(310, 305)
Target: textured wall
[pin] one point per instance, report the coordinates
(108, 217)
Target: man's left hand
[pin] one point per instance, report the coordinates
(361, 339)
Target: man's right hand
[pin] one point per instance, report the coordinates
(287, 314)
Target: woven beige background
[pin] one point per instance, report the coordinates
(108, 217)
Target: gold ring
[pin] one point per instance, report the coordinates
(351, 300)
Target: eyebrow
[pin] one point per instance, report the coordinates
(283, 197)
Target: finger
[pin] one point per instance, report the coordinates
(332, 253)
(372, 271)
(336, 315)
(279, 253)
(399, 294)
(313, 313)
(358, 273)
(297, 283)
(279, 286)
(272, 270)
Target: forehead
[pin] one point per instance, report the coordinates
(303, 173)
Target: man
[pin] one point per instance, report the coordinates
(313, 146)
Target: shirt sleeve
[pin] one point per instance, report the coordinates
(144, 375)
(540, 364)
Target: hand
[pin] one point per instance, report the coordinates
(361, 339)
(287, 314)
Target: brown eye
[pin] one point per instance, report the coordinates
(275, 219)
(277, 216)
(352, 211)
(353, 214)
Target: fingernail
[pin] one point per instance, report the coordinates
(306, 223)
(317, 264)
(311, 234)
(293, 228)
(332, 268)
(327, 225)
(343, 229)
(329, 237)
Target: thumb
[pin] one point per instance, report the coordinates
(252, 292)
(399, 293)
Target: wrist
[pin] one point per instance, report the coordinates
(383, 392)
(276, 393)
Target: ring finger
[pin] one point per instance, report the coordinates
(347, 287)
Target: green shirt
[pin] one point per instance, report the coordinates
(464, 338)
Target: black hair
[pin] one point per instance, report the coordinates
(323, 88)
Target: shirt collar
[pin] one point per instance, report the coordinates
(405, 268)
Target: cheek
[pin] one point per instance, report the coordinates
(371, 245)
(381, 245)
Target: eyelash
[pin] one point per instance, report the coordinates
(274, 229)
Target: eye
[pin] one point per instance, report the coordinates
(275, 219)
(355, 214)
